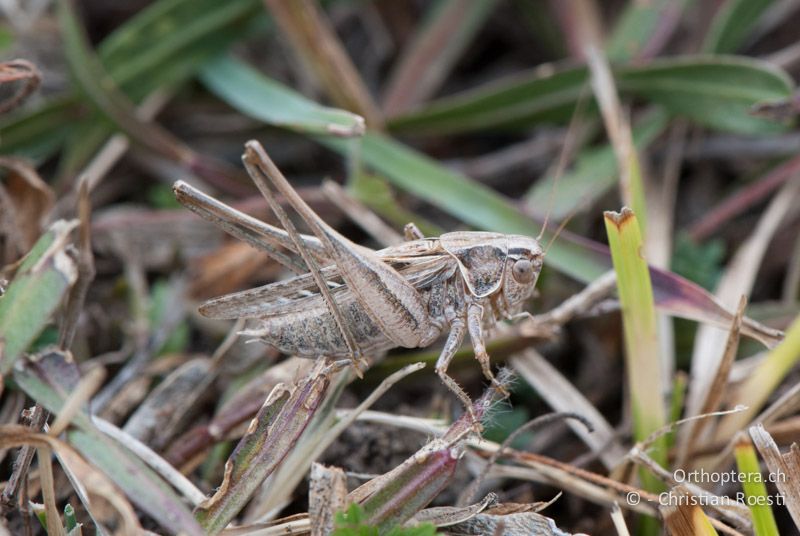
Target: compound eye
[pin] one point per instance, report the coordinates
(522, 271)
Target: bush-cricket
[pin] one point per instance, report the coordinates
(349, 301)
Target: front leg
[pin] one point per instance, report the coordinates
(412, 232)
(475, 326)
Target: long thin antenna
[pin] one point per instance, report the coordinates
(560, 228)
(568, 218)
(570, 142)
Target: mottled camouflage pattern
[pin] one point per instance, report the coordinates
(302, 325)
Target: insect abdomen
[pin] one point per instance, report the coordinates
(313, 332)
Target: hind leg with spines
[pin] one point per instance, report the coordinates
(475, 326)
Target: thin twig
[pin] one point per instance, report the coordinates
(347, 419)
(86, 270)
(743, 199)
(54, 526)
(533, 424)
(37, 417)
(72, 405)
(364, 217)
(151, 458)
(716, 392)
(147, 349)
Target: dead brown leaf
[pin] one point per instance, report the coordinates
(25, 201)
(18, 71)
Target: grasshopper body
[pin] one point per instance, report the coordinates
(350, 301)
(300, 324)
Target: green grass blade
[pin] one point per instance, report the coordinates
(546, 96)
(142, 486)
(39, 133)
(169, 40)
(636, 27)
(164, 44)
(758, 499)
(715, 91)
(42, 281)
(70, 522)
(101, 90)
(271, 102)
(618, 131)
(640, 329)
(680, 385)
(376, 194)
(760, 384)
(732, 24)
(99, 87)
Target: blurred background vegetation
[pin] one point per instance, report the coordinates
(454, 114)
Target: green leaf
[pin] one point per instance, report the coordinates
(38, 133)
(545, 95)
(376, 194)
(353, 522)
(347, 522)
(642, 353)
(42, 281)
(6, 37)
(732, 24)
(163, 44)
(101, 90)
(637, 25)
(92, 79)
(82, 142)
(503, 424)
(761, 383)
(141, 485)
(40, 514)
(167, 42)
(70, 522)
(758, 498)
(271, 102)
(160, 196)
(715, 91)
(701, 263)
(162, 300)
